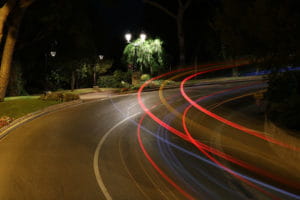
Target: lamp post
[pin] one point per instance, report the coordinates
(128, 37)
(101, 57)
(135, 78)
(52, 54)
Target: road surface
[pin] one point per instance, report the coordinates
(113, 149)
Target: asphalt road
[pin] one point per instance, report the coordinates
(95, 151)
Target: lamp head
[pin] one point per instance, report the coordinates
(128, 37)
(143, 37)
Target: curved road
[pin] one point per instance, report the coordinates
(94, 151)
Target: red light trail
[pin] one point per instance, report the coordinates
(201, 146)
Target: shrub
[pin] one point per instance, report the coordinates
(122, 76)
(145, 77)
(170, 82)
(283, 97)
(59, 96)
(5, 120)
(52, 96)
(70, 97)
(108, 82)
(119, 79)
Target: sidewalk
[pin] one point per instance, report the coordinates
(95, 95)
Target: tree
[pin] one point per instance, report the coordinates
(5, 10)
(100, 68)
(15, 10)
(267, 31)
(148, 55)
(179, 17)
(76, 46)
(264, 29)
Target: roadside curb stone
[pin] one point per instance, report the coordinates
(6, 129)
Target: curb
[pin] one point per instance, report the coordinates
(205, 82)
(6, 129)
(31, 116)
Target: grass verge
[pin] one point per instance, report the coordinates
(17, 107)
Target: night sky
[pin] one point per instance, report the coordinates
(112, 19)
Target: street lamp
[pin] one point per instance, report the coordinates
(135, 74)
(101, 57)
(128, 37)
(143, 37)
(53, 53)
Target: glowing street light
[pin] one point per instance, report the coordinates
(53, 53)
(101, 57)
(128, 37)
(143, 37)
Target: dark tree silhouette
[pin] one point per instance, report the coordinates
(15, 10)
(179, 17)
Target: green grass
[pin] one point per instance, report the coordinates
(80, 91)
(19, 106)
(21, 97)
(89, 90)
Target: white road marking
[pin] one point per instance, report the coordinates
(96, 157)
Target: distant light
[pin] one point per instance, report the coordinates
(128, 37)
(143, 37)
(53, 53)
(101, 57)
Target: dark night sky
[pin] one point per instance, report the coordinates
(113, 19)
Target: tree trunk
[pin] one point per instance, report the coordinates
(72, 81)
(4, 12)
(94, 77)
(180, 35)
(77, 80)
(9, 50)
(182, 7)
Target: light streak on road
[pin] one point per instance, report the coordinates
(182, 173)
(236, 161)
(225, 121)
(176, 132)
(167, 142)
(221, 154)
(167, 178)
(163, 133)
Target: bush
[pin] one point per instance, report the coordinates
(70, 97)
(145, 77)
(5, 120)
(122, 76)
(283, 98)
(119, 79)
(52, 96)
(108, 82)
(170, 82)
(59, 96)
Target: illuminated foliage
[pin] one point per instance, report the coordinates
(147, 56)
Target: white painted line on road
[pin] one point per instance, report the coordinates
(97, 153)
